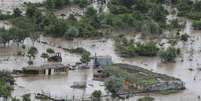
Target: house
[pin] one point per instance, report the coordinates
(102, 60)
(47, 69)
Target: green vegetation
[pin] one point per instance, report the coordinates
(175, 24)
(15, 99)
(5, 36)
(146, 98)
(147, 17)
(26, 97)
(184, 37)
(121, 78)
(6, 82)
(189, 8)
(58, 4)
(197, 24)
(113, 85)
(96, 95)
(32, 51)
(169, 54)
(85, 58)
(17, 12)
(128, 48)
(50, 51)
(78, 50)
(44, 55)
(144, 16)
(134, 74)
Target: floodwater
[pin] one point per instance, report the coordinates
(6, 6)
(59, 85)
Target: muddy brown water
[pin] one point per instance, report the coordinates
(59, 85)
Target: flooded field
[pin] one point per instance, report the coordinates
(59, 85)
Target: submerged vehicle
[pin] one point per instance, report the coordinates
(55, 58)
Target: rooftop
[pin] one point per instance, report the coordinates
(45, 66)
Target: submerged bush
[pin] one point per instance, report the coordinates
(50, 51)
(130, 49)
(169, 54)
(32, 51)
(146, 98)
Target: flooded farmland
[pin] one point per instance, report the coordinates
(59, 85)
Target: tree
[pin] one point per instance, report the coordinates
(113, 85)
(5, 36)
(17, 12)
(50, 4)
(6, 82)
(90, 12)
(32, 51)
(71, 33)
(59, 3)
(85, 58)
(96, 95)
(30, 10)
(5, 90)
(18, 34)
(81, 3)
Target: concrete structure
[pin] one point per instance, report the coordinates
(47, 69)
(102, 60)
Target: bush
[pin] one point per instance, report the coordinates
(15, 99)
(50, 51)
(96, 95)
(197, 24)
(85, 58)
(130, 49)
(146, 98)
(113, 85)
(81, 3)
(17, 12)
(78, 50)
(169, 54)
(19, 53)
(56, 4)
(71, 33)
(6, 82)
(30, 62)
(147, 49)
(184, 37)
(26, 97)
(32, 51)
(44, 55)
